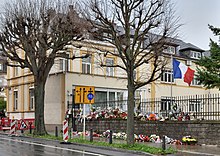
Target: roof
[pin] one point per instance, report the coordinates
(188, 46)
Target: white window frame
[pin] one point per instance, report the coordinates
(196, 55)
(31, 99)
(16, 71)
(169, 50)
(86, 65)
(195, 82)
(1, 67)
(110, 70)
(15, 93)
(166, 76)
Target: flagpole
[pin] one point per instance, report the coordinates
(172, 78)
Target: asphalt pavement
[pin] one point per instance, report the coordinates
(183, 150)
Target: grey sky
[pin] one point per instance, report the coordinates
(195, 15)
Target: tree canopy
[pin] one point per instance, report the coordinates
(209, 66)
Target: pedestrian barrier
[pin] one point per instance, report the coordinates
(12, 127)
(65, 130)
(22, 124)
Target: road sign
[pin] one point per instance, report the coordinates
(90, 96)
(84, 94)
(23, 125)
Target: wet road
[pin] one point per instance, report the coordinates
(16, 147)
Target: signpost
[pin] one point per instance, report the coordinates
(84, 95)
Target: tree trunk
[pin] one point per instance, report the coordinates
(39, 92)
(130, 119)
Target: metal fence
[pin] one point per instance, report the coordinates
(201, 106)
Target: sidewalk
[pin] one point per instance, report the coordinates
(183, 150)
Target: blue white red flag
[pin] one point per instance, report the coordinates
(181, 71)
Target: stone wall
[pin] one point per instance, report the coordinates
(206, 132)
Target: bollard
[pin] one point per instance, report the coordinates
(91, 135)
(56, 131)
(65, 131)
(163, 143)
(30, 127)
(110, 137)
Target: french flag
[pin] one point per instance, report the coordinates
(181, 71)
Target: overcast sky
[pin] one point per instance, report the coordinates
(195, 16)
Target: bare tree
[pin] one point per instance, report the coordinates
(41, 29)
(140, 31)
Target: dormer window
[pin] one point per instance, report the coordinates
(196, 55)
(169, 50)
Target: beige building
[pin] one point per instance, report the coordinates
(110, 83)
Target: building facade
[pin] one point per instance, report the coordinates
(110, 83)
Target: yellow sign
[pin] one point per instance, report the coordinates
(84, 94)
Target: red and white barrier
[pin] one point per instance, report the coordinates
(13, 127)
(65, 130)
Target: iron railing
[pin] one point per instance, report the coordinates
(201, 106)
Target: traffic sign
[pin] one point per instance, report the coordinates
(23, 125)
(84, 94)
(90, 96)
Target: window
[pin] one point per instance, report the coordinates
(169, 50)
(196, 55)
(31, 98)
(61, 64)
(105, 99)
(109, 70)
(1, 67)
(86, 65)
(100, 96)
(111, 99)
(120, 96)
(167, 76)
(195, 82)
(15, 71)
(16, 100)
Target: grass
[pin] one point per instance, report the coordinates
(135, 147)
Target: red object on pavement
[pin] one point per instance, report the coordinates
(65, 130)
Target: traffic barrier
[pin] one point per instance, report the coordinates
(65, 131)
(12, 127)
(5, 124)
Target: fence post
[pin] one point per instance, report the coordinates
(56, 131)
(163, 143)
(110, 137)
(30, 123)
(91, 135)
